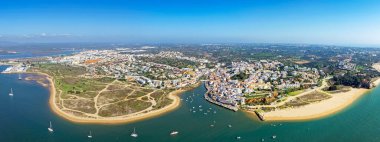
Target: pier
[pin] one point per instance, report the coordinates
(260, 114)
(220, 104)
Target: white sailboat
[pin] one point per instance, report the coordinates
(50, 128)
(134, 134)
(11, 93)
(173, 133)
(90, 135)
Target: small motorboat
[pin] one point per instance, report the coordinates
(173, 133)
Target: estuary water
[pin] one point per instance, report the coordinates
(26, 116)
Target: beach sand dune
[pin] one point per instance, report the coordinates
(321, 109)
(376, 66)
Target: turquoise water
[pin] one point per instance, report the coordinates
(26, 116)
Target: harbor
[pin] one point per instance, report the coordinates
(220, 104)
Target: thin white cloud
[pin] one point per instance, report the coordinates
(55, 35)
(45, 35)
(39, 37)
(26, 36)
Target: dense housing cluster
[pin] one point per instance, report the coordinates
(243, 81)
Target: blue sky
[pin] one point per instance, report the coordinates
(343, 22)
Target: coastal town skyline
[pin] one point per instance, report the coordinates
(185, 71)
(231, 90)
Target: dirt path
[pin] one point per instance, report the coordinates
(97, 96)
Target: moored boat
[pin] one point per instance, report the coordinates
(173, 133)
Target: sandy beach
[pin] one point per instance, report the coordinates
(338, 102)
(376, 66)
(112, 120)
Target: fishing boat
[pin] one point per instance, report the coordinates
(173, 133)
(90, 135)
(238, 137)
(134, 134)
(50, 128)
(11, 93)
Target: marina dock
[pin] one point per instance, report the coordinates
(220, 104)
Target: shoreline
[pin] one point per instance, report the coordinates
(112, 120)
(339, 102)
(325, 108)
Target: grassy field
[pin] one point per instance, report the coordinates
(103, 96)
(312, 97)
(123, 108)
(294, 93)
(339, 89)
